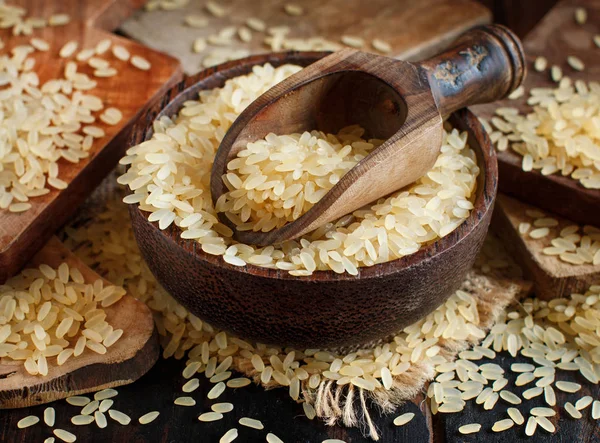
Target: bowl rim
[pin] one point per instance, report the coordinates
(213, 77)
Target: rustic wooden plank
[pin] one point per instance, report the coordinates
(555, 37)
(22, 234)
(552, 277)
(414, 28)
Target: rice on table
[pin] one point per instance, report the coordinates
(170, 178)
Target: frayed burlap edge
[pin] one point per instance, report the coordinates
(347, 404)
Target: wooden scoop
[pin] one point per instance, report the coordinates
(402, 102)
(127, 360)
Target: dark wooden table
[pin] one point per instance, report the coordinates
(280, 415)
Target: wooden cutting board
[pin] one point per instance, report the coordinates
(22, 234)
(555, 37)
(414, 28)
(127, 360)
(552, 277)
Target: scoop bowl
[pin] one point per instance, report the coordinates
(324, 310)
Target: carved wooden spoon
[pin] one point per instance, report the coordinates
(403, 103)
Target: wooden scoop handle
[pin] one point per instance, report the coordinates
(484, 65)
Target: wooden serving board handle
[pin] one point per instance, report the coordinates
(124, 362)
(484, 65)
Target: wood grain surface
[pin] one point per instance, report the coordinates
(552, 277)
(414, 28)
(124, 362)
(22, 234)
(555, 37)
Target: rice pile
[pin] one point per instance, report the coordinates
(274, 181)
(169, 177)
(41, 124)
(555, 336)
(44, 126)
(560, 335)
(561, 134)
(47, 313)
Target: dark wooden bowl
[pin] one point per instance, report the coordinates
(325, 310)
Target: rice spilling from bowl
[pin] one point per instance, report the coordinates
(170, 178)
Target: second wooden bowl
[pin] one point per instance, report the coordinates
(325, 310)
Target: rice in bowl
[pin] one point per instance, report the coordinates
(170, 178)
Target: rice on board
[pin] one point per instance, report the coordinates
(49, 416)
(401, 420)
(570, 243)
(100, 419)
(251, 423)
(580, 15)
(48, 124)
(82, 420)
(148, 417)
(78, 400)
(105, 405)
(140, 62)
(30, 420)
(47, 311)
(105, 394)
(229, 436)
(222, 407)
(559, 135)
(293, 9)
(65, 436)
(471, 428)
(210, 416)
(166, 5)
(119, 417)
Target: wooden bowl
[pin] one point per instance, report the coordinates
(325, 310)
